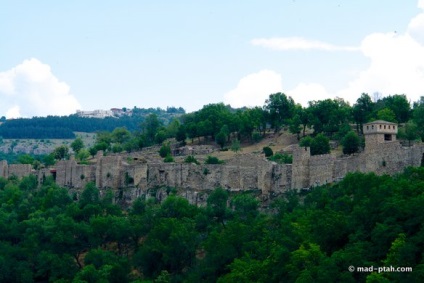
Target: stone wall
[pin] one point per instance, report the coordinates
(245, 172)
(19, 170)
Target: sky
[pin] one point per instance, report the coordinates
(60, 56)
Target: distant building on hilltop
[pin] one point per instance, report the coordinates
(113, 112)
(95, 114)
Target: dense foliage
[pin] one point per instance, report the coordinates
(62, 127)
(314, 236)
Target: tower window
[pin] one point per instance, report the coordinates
(387, 137)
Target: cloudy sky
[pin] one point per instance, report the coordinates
(60, 56)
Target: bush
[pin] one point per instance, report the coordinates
(320, 145)
(350, 143)
(168, 159)
(213, 160)
(191, 159)
(306, 141)
(281, 158)
(268, 151)
(165, 150)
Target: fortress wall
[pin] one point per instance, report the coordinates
(42, 174)
(109, 172)
(249, 178)
(387, 158)
(244, 172)
(4, 169)
(321, 169)
(356, 163)
(300, 167)
(19, 170)
(279, 180)
(340, 168)
(138, 172)
(352, 163)
(209, 176)
(81, 175)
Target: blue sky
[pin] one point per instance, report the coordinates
(59, 56)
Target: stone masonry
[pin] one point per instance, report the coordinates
(246, 172)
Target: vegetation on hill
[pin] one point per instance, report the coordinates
(314, 236)
(62, 127)
(329, 119)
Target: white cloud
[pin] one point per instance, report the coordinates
(416, 27)
(30, 89)
(305, 92)
(254, 89)
(396, 64)
(298, 43)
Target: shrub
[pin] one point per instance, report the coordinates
(165, 150)
(282, 158)
(191, 159)
(350, 143)
(306, 141)
(268, 151)
(320, 145)
(213, 160)
(168, 159)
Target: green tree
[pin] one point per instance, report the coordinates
(217, 205)
(49, 159)
(350, 143)
(120, 135)
(320, 145)
(170, 245)
(83, 155)
(150, 127)
(165, 150)
(77, 145)
(418, 116)
(221, 139)
(26, 159)
(409, 132)
(172, 128)
(306, 141)
(235, 145)
(280, 109)
(61, 152)
(362, 111)
(181, 134)
(160, 136)
(295, 125)
(329, 115)
(400, 106)
(386, 114)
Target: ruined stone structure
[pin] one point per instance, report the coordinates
(246, 172)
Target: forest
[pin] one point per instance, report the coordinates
(63, 127)
(307, 236)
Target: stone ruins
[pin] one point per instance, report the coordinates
(383, 154)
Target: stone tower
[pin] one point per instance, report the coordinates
(378, 132)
